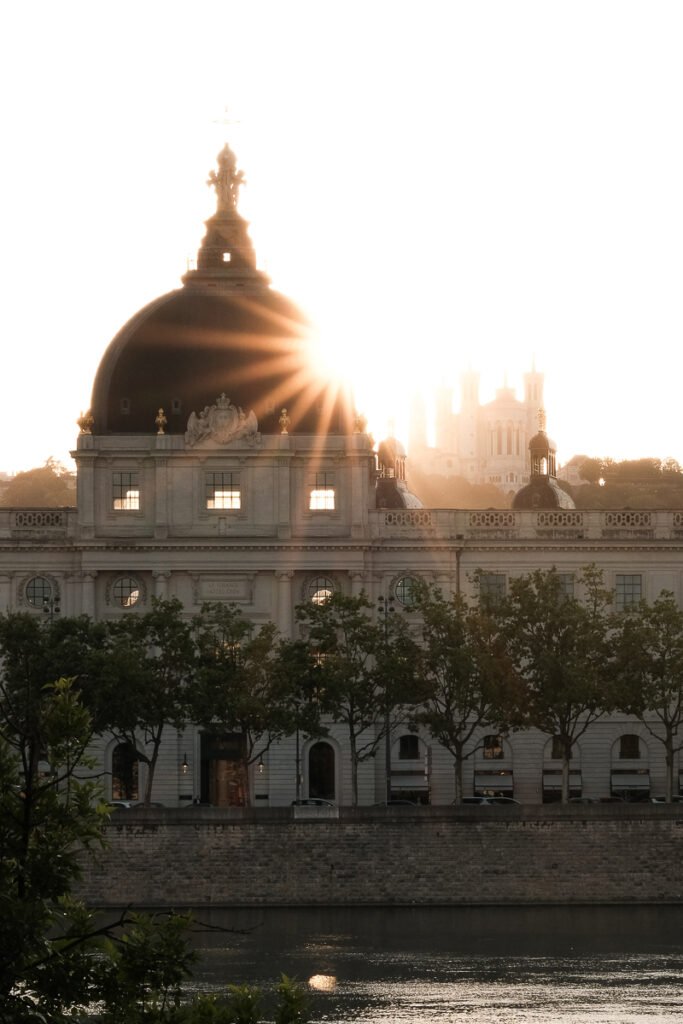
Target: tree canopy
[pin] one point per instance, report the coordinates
(48, 486)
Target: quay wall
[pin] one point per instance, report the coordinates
(616, 854)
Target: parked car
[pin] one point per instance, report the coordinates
(489, 800)
(397, 803)
(313, 801)
(663, 800)
(122, 805)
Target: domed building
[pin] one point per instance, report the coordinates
(225, 332)
(214, 465)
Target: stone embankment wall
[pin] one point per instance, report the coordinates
(428, 856)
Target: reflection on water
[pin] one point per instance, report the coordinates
(608, 965)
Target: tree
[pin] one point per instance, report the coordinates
(146, 664)
(243, 681)
(361, 671)
(48, 486)
(559, 646)
(649, 644)
(466, 677)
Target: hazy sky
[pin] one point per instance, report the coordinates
(442, 185)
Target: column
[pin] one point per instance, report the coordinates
(161, 579)
(284, 602)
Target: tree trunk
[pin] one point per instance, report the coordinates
(669, 755)
(457, 773)
(354, 769)
(151, 768)
(566, 758)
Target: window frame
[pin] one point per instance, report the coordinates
(322, 492)
(233, 488)
(625, 589)
(126, 491)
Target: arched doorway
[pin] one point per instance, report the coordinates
(321, 771)
(124, 773)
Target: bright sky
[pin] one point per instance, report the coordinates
(442, 185)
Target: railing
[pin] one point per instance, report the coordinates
(518, 524)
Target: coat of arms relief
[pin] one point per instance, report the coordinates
(221, 423)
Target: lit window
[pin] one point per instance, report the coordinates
(126, 491)
(320, 589)
(38, 592)
(222, 490)
(405, 590)
(126, 591)
(408, 747)
(493, 748)
(629, 590)
(124, 773)
(322, 494)
(629, 747)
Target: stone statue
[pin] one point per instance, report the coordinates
(284, 421)
(85, 422)
(160, 421)
(227, 181)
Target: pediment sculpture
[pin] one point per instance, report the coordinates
(221, 423)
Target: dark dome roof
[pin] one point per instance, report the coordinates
(542, 492)
(185, 349)
(226, 332)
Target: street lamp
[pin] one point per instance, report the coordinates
(385, 606)
(50, 606)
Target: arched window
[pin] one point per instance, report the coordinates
(321, 771)
(124, 773)
(126, 591)
(629, 747)
(39, 591)
(320, 589)
(408, 747)
(404, 589)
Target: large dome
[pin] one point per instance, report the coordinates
(226, 331)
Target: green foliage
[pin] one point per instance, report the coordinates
(466, 679)
(243, 680)
(361, 669)
(48, 486)
(146, 967)
(146, 663)
(559, 646)
(648, 641)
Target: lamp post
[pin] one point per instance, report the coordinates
(50, 607)
(385, 606)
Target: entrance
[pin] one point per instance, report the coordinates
(321, 771)
(222, 769)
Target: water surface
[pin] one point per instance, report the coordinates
(609, 965)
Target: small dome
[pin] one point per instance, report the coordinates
(542, 492)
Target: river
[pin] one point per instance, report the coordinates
(492, 965)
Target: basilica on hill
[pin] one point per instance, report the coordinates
(213, 465)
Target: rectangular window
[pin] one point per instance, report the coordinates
(126, 491)
(491, 587)
(566, 583)
(629, 747)
(629, 590)
(322, 494)
(408, 747)
(222, 490)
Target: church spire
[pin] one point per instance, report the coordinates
(226, 257)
